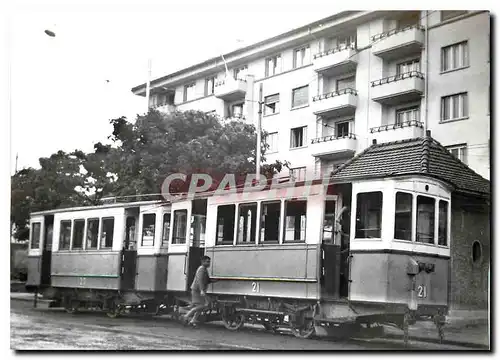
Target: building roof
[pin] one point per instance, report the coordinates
(419, 156)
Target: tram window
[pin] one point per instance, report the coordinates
(295, 220)
(166, 230)
(65, 235)
(148, 229)
(443, 223)
(247, 223)
(329, 222)
(225, 224)
(425, 219)
(403, 216)
(180, 226)
(78, 234)
(35, 237)
(369, 215)
(270, 219)
(92, 233)
(107, 231)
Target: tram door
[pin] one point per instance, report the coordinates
(129, 254)
(47, 250)
(330, 254)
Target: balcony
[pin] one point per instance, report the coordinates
(397, 89)
(230, 89)
(398, 43)
(330, 147)
(406, 130)
(335, 61)
(336, 103)
(165, 108)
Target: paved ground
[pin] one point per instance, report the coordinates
(49, 329)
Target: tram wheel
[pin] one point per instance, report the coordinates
(233, 320)
(305, 331)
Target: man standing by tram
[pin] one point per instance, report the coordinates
(199, 287)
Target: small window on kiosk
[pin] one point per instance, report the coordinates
(78, 234)
(403, 216)
(92, 233)
(295, 220)
(108, 225)
(247, 223)
(369, 215)
(148, 229)
(270, 219)
(166, 230)
(180, 227)
(426, 209)
(35, 235)
(65, 235)
(225, 224)
(443, 223)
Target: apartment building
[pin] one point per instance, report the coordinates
(331, 87)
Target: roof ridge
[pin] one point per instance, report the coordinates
(348, 162)
(424, 162)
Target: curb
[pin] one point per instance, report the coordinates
(436, 341)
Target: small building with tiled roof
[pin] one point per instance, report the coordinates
(418, 194)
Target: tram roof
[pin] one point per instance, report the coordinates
(418, 156)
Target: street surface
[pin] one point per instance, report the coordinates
(54, 329)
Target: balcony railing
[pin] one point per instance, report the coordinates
(335, 93)
(332, 137)
(398, 77)
(395, 126)
(386, 34)
(334, 50)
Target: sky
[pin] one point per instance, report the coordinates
(60, 94)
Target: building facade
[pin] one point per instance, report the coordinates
(328, 89)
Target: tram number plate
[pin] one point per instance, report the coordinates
(422, 291)
(255, 287)
(81, 281)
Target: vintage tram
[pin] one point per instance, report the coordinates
(324, 257)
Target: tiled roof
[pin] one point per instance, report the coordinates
(418, 156)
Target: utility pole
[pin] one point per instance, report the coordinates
(259, 121)
(148, 85)
(15, 169)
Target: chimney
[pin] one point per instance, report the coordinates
(374, 142)
(428, 133)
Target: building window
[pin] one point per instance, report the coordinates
(450, 14)
(65, 235)
(148, 229)
(454, 107)
(300, 96)
(241, 73)
(369, 215)
(298, 137)
(477, 251)
(298, 174)
(403, 216)
(209, 86)
(225, 224)
(166, 230)
(426, 208)
(301, 57)
(272, 142)
(459, 151)
(407, 114)
(78, 234)
(346, 83)
(407, 66)
(237, 111)
(272, 104)
(247, 223)
(189, 92)
(344, 42)
(455, 56)
(273, 65)
(342, 129)
(92, 233)
(270, 219)
(35, 235)
(443, 223)
(180, 227)
(107, 231)
(295, 220)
